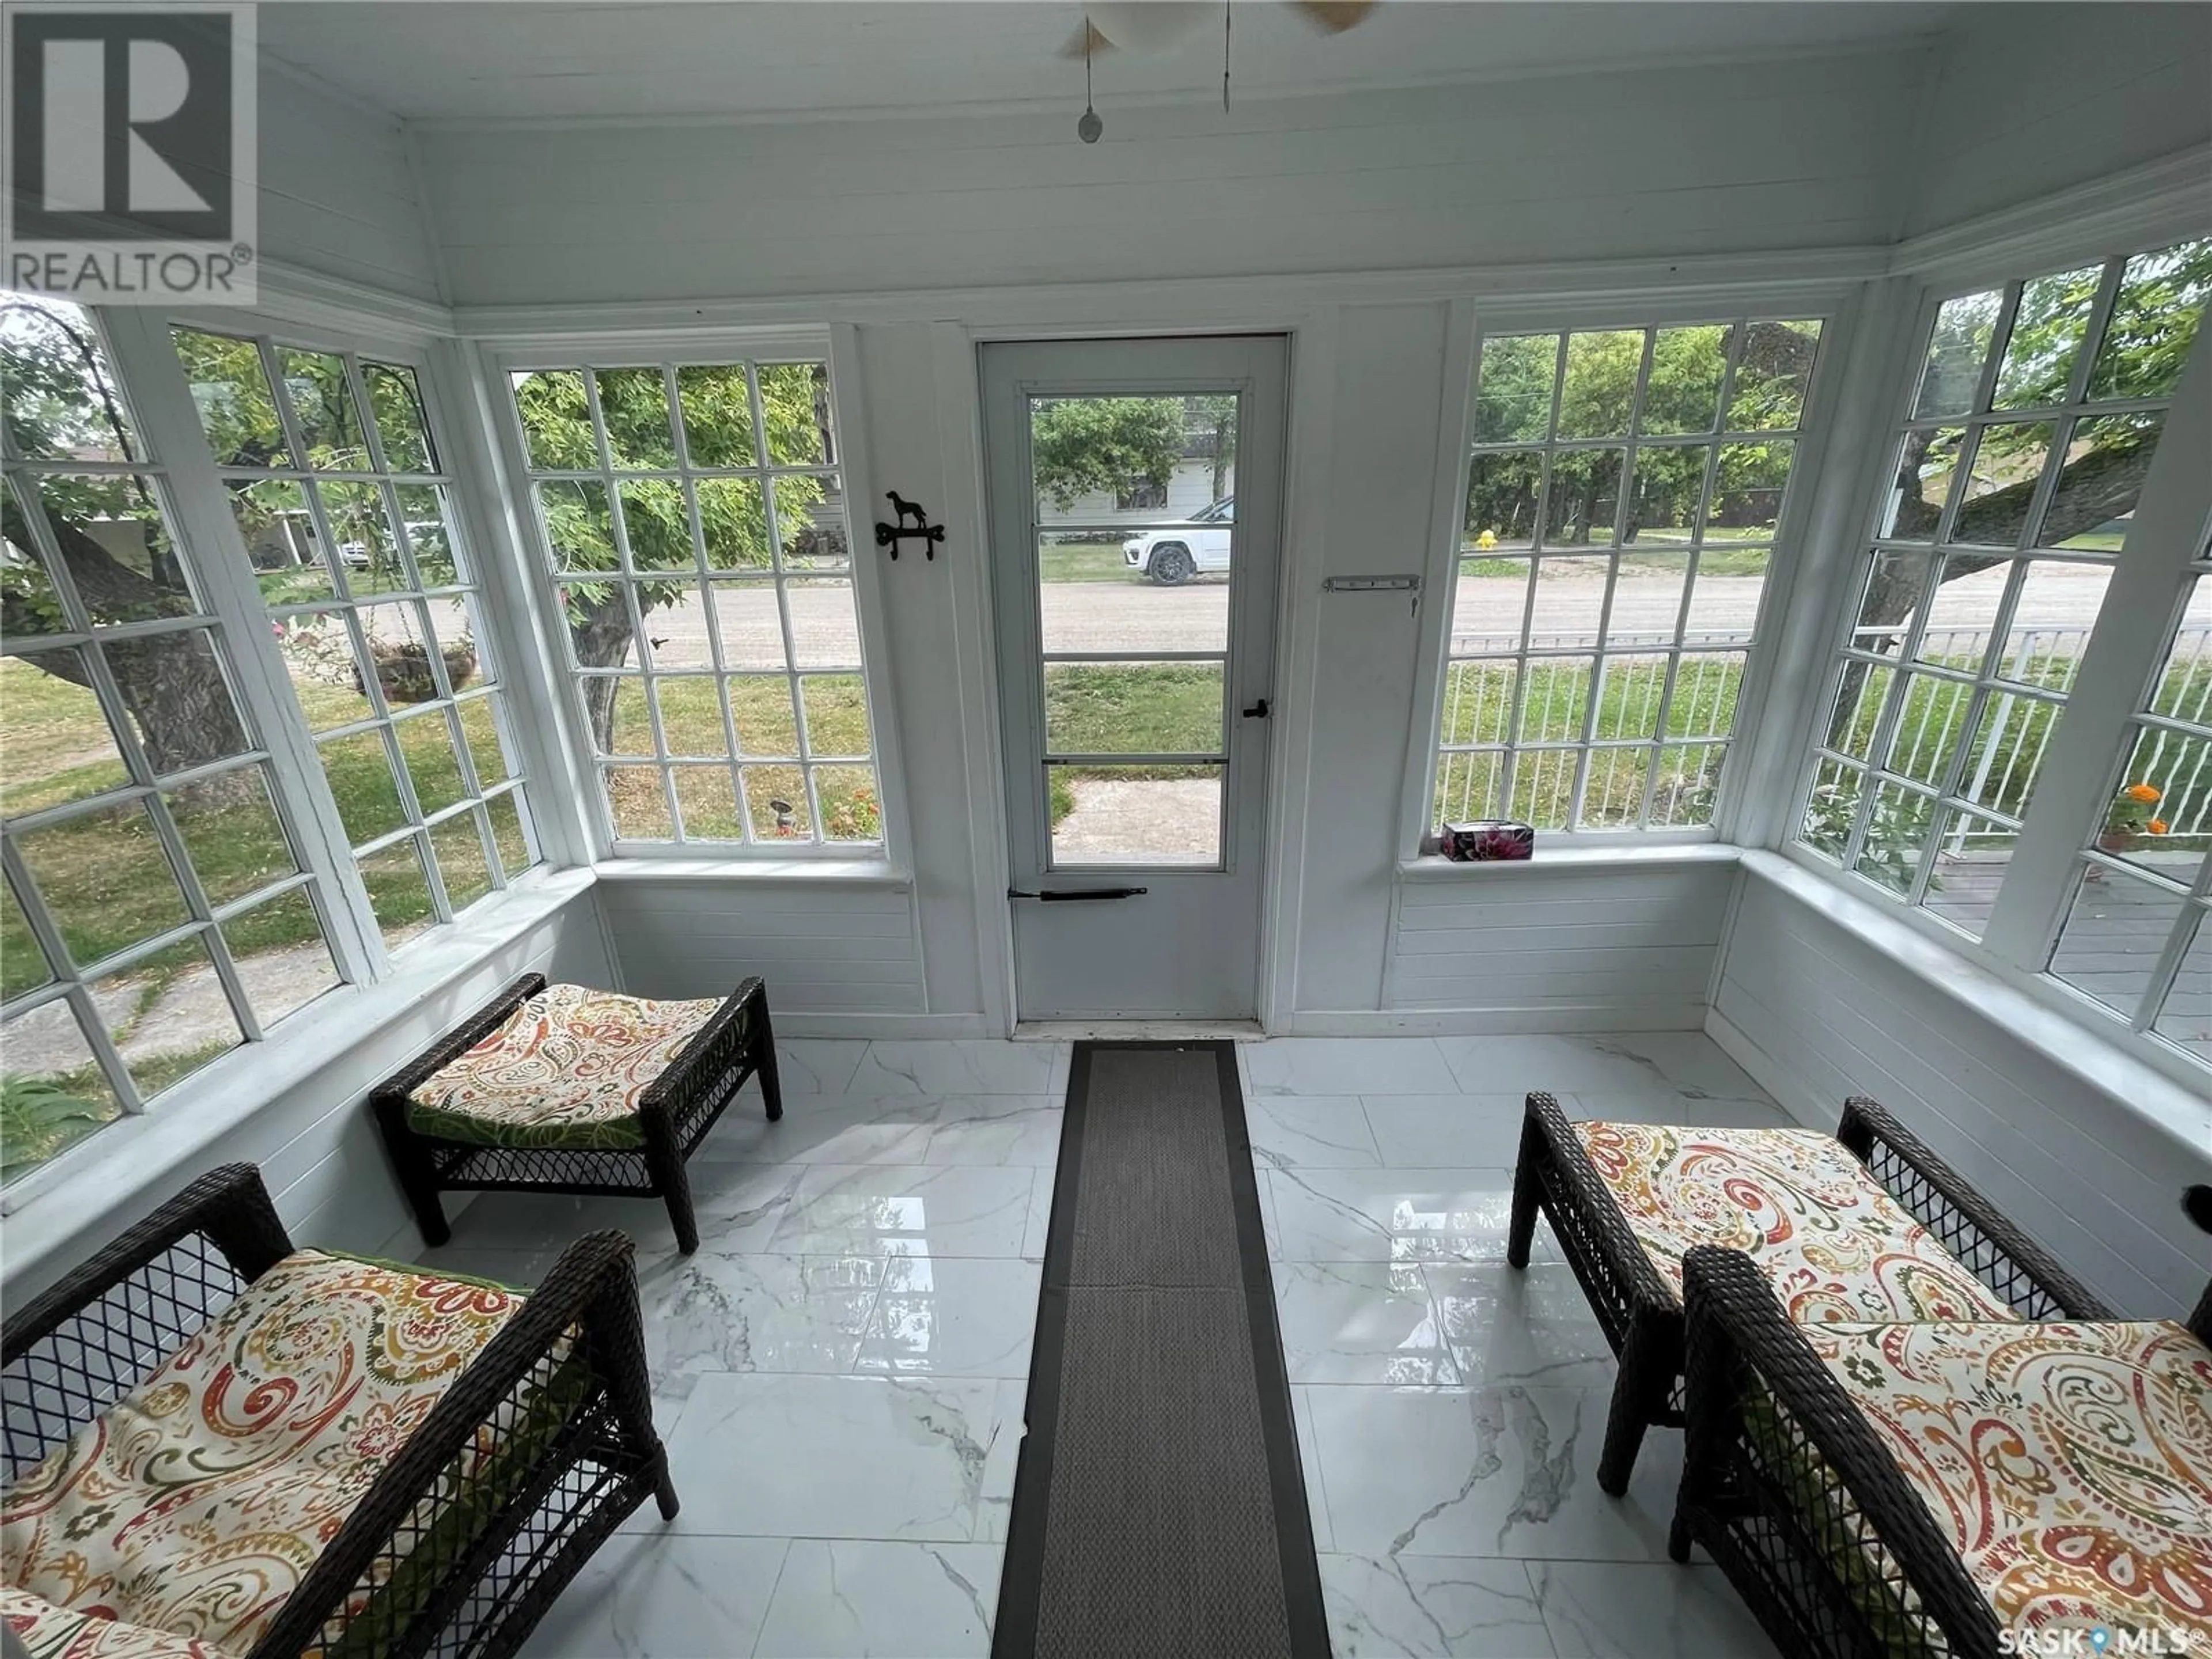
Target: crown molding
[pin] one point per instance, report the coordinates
(295, 294)
(1200, 302)
(2168, 199)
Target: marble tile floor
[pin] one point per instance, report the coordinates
(840, 1371)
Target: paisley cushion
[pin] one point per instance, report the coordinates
(2070, 1465)
(50, 1632)
(196, 1503)
(565, 1069)
(1833, 1243)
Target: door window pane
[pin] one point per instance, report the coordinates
(1133, 708)
(1108, 815)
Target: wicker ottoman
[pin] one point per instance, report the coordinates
(563, 1089)
(1869, 1225)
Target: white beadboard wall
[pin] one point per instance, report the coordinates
(1536, 948)
(337, 197)
(832, 951)
(2031, 99)
(1816, 1013)
(315, 1142)
(1639, 165)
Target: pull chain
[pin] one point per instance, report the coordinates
(1224, 55)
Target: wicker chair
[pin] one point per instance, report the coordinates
(1827, 1472)
(1639, 1307)
(641, 1152)
(446, 1523)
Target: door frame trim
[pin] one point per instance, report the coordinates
(1308, 338)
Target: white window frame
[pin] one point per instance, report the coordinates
(1835, 304)
(837, 347)
(165, 470)
(488, 630)
(2172, 517)
(1980, 685)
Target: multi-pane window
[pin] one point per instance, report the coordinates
(154, 913)
(2137, 935)
(694, 521)
(1624, 495)
(343, 499)
(2035, 415)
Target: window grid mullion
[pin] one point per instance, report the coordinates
(772, 519)
(1947, 799)
(696, 522)
(70, 980)
(1600, 664)
(1879, 746)
(144, 786)
(146, 357)
(1731, 354)
(2178, 937)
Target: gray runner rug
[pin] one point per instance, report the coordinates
(1159, 1511)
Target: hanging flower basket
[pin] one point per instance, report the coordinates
(403, 669)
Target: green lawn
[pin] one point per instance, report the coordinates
(760, 707)
(1716, 560)
(1129, 708)
(92, 870)
(1084, 561)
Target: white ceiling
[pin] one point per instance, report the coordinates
(523, 59)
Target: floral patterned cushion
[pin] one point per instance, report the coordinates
(50, 1632)
(565, 1069)
(1833, 1243)
(2069, 1464)
(196, 1503)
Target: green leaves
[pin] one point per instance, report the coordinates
(38, 1118)
(1098, 446)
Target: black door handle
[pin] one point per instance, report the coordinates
(1081, 893)
(1258, 711)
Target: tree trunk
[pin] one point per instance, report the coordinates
(2096, 487)
(601, 636)
(171, 683)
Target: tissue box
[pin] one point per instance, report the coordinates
(1488, 838)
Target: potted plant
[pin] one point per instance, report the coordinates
(2133, 815)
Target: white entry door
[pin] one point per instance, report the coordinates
(1136, 511)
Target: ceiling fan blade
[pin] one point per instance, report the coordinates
(1334, 16)
(1098, 44)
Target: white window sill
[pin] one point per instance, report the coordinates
(110, 1170)
(1648, 856)
(865, 872)
(2059, 1038)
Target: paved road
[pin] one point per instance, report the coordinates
(1121, 616)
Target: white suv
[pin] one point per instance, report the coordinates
(1174, 553)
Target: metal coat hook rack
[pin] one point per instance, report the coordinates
(890, 535)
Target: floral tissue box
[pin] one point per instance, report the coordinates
(1488, 838)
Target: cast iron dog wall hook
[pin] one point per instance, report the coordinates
(890, 535)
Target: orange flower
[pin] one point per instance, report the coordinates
(2156, 826)
(2141, 792)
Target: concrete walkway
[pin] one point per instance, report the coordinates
(1145, 820)
(191, 1014)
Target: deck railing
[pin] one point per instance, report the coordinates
(2019, 727)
